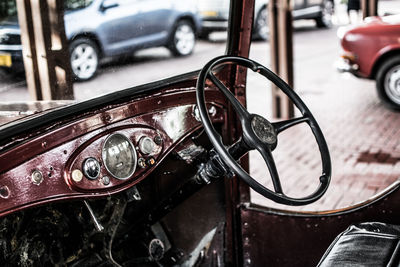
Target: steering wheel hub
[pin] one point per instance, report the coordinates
(264, 130)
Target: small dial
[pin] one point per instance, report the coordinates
(91, 168)
(119, 156)
(146, 145)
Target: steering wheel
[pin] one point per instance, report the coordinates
(259, 133)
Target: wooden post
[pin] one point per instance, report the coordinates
(45, 49)
(281, 42)
(369, 8)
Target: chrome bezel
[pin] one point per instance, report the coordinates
(142, 147)
(134, 154)
(85, 171)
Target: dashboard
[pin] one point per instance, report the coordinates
(100, 153)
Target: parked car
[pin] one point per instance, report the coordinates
(102, 28)
(214, 15)
(372, 51)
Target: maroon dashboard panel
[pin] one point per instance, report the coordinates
(94, 148)
(101, 153)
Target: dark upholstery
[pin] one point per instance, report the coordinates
(365, 244)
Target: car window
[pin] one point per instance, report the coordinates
(117, 44)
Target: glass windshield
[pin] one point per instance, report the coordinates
(113, 45)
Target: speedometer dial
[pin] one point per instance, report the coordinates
(119, 156)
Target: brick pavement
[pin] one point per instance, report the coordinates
(364, 140)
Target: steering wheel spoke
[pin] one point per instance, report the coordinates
(269, 160)
(280, 126)
(241, 111)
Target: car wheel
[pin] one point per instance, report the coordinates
(325, 19)
(84, 58)
(183, 39)
(388, 82)
(261, 29)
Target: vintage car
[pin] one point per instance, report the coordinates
(156, 175)
(372, 51)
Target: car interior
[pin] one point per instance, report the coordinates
(158, 175)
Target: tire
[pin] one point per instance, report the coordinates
(261, 28)
(183, 39)
(84, 59)
(325, 19)
(388, 82)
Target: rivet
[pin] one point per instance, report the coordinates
(44, 144)
(37, 177)
(4, 192)
(77, 175)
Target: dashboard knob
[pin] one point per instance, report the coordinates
(91, 168)
(146, 145)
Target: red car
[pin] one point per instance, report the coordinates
(372, 50)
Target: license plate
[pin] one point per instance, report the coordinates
(5, 60)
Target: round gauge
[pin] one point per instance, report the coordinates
(119, 156)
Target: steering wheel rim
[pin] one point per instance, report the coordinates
(261, 140)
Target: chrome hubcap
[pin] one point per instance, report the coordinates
(84, 61)
(392, 84)
(184, 39)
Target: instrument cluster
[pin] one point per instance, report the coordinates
(114, 157)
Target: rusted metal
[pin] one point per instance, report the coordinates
(45, 49)
(281, 43)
